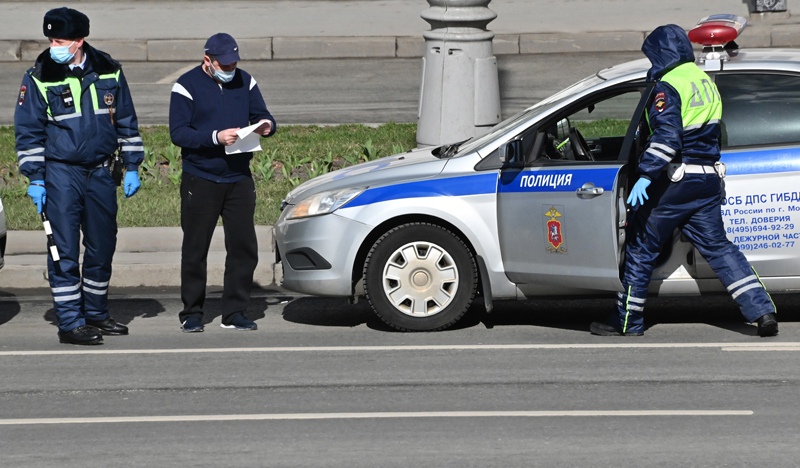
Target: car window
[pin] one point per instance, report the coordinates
(601, 124)
(759, 108)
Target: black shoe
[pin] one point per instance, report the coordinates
(239, 322)
(604, 329)
(193, 324)
(767, 325)
(82, 335)
(108, 326)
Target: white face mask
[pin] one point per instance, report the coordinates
(222, 76)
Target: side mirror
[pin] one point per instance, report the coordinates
(511, 153)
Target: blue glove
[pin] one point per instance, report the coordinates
(639, 192)
(131, 183)
(37, 193)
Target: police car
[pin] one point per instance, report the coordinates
(536, 207)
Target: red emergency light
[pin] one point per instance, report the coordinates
(717, 30)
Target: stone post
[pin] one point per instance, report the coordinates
(460, 92)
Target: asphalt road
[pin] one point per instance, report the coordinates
(344, 90)
(324, 383)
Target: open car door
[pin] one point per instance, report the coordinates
(561, 213)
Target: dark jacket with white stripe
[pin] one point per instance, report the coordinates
(199, 108)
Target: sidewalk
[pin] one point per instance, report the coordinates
(144, 257)
(304, 29)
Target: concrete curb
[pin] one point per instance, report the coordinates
(145, 257)
(333, 47)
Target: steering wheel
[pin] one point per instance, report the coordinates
(579, 146)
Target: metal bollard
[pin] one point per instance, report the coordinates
(460, 92)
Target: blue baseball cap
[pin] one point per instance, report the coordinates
(222, 47)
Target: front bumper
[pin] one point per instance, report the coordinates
(317, 253)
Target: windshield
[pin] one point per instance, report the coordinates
(472, 145)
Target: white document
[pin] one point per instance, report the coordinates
(248, 140)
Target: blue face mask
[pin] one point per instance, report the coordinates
(61, 54)
(224, 76)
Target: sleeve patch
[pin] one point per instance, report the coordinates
(23, 93)
(660, 102)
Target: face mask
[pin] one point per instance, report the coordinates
(223, 76)
(61, 54)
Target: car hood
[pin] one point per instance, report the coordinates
(413, 165)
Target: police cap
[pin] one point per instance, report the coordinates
(65, 23)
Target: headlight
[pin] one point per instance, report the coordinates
(323, 203)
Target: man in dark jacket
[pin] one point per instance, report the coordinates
(74, 111)
(208, 105)
(680, 166)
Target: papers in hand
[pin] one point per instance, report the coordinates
(248, 140)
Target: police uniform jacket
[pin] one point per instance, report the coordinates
(685, 109)
(79, 121)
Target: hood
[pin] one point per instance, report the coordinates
(667, 47)
(413, 165)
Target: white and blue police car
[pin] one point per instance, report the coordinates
(536, 207)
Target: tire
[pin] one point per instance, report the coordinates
(420, 277)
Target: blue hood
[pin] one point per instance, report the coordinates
(667, 47)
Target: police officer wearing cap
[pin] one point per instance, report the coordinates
(680, 186)
(73, 113)
(208, 105)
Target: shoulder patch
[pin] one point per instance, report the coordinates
(23, 93)
(660, 102)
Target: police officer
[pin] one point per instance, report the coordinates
(74, 111)
(680, 168)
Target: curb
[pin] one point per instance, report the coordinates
(295, 48)
(145, 257)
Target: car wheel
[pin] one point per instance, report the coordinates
(420, 277)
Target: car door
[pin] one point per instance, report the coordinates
(562, 214)
(761, 150)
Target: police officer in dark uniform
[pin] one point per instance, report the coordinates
(74, 112)
(681, 168)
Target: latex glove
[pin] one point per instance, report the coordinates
(131, 184)
(639, 192)
(37, 193)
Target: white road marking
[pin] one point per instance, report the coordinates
(756, 346)
(172, 78)
(398, 415)
(763, 348)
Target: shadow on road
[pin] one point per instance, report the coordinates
(122, 310)
(558, 313)
(8, 309)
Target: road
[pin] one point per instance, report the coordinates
(324, 383)
(346, 90)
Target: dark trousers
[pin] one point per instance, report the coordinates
(693, 206)
(80, 199)
(202, 204)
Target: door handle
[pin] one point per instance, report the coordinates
(589, 189)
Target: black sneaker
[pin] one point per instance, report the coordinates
(239, 322)
(82, 335)
(767, 325)
(604, 329)
(193, 324)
